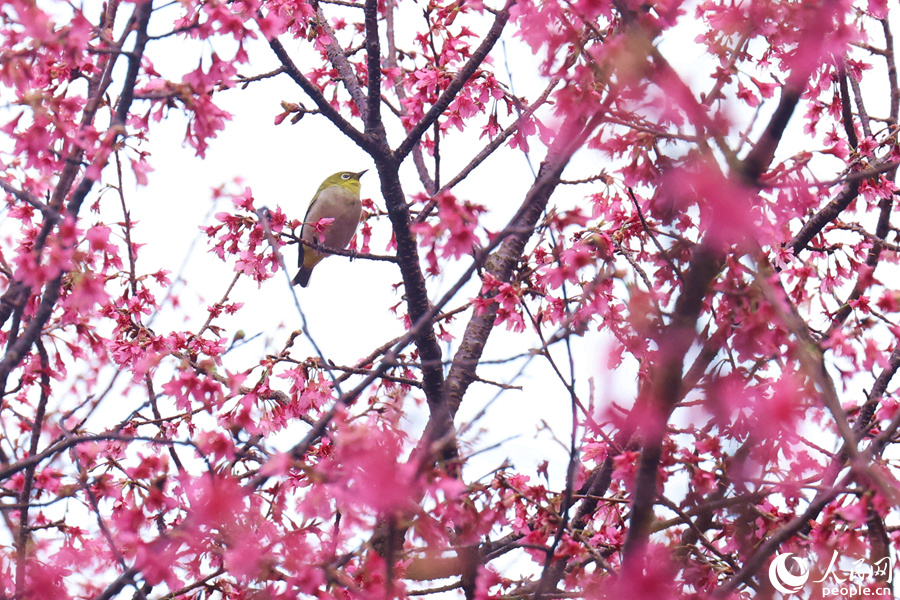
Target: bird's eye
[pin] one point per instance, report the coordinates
(345, 176)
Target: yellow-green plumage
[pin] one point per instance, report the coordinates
(337, 198)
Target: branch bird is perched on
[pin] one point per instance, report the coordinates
(338, 199)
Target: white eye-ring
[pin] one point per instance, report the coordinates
(345, 176)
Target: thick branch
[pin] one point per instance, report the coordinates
(503, 261)
(846, 108)
(24, 195)
(345, 70)
(822, 218)
(760, 157)
(864, 421)
(666, 383)
(416, 294)
(891, 69)
(665, 390)
(373, 56)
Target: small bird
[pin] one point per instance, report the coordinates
(337, 198)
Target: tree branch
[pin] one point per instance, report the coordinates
(814, 226)
(22, 345)
(415, 292)
(345, 70)
(456, 85)
(503, 261)
(316, 96)
(372, 115)
(665, 382)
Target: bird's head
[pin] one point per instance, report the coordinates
(345, 179)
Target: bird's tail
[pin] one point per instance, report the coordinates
(302, 276)
(308, 260)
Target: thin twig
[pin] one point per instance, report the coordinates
(462, 77)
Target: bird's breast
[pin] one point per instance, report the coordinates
(339, 204)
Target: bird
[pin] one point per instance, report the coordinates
(337, 198)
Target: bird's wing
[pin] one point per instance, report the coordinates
(304, 226)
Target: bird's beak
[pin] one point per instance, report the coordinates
(361, 173)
